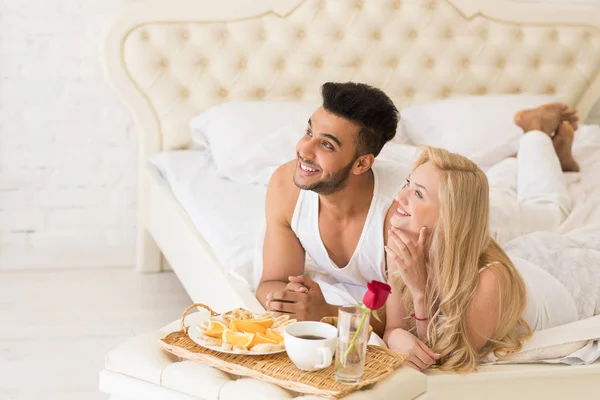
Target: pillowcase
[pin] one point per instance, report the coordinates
(557, 343)
(257, 163)
(231, 128)
(479, 127)
(232, 132)
(261, 160)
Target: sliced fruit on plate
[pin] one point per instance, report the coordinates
(233, 326)
(278, 321)
(273, 335)
(267, 348)
(238, 313)
(237, 338)
(215, 329)
(259, 338)
(253, 325)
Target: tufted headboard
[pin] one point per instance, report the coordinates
(171, 60)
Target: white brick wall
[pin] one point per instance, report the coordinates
(67, 144)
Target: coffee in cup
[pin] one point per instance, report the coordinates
(310, 345)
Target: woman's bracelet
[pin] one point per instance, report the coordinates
(417, 318)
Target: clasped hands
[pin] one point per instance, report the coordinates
(302, 299)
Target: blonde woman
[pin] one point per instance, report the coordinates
(457, 295)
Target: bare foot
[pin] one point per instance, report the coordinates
(563, 143)
(545, 118)
(571, 116)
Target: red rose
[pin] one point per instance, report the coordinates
(377, 294)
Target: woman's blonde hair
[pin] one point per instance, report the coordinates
(460, 246)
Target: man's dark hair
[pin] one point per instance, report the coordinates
(366, 106)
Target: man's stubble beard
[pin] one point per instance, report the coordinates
(331, 185)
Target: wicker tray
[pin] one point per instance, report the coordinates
(278, 368)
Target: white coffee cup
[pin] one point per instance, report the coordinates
(310, 345)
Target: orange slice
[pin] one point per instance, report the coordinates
(260, 338)
(215, 329)
(233, 326)
(273, 335)
(237, 338)
(254, 325)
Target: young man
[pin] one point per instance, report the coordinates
(330, 203)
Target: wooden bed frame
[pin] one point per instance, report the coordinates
(171, 60)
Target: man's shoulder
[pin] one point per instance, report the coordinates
(282, 180)
(282, 192)
(391, 177)
(283, 175)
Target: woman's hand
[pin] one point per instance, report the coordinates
(420, 356)
(408, 259)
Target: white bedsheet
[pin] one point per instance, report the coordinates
(575, 343)
(230, 215)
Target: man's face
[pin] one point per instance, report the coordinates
(326, 154)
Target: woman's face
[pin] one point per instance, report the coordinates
(417, 202)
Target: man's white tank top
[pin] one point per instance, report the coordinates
(368, 260)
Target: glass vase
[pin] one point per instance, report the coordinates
(353, 335)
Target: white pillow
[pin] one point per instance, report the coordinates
(260, 161)
(257, 163)
(474, 126)
(556, 343)
(230, 129)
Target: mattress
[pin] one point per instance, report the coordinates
(231, 215)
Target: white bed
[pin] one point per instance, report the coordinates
(171, 61)
(230, 214)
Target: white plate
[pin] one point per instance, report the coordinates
(196, 336)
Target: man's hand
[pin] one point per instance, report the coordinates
(296, 284)
(303, 300)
